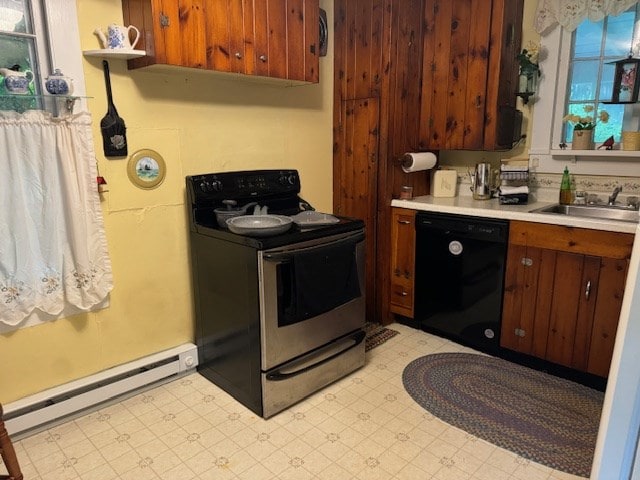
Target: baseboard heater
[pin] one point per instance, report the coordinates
(35, 412)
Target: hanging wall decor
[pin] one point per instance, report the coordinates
(146, 169)
(626, 80)
(114, 139)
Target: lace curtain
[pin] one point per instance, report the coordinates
(570, 13)
(53, 250)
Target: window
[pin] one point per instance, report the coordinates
(594, 45)
(37, 36)
(24, 47)
(575, 72)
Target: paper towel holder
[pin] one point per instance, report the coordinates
(412, 162)
(404, 160)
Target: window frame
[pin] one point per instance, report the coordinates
(61, 17)
(550, 104)
(57, 33)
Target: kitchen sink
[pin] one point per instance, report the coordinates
(604, 212)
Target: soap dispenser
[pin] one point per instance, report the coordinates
(565, 188)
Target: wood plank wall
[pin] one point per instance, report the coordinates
(378, 51)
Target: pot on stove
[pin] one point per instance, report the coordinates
(231, 210)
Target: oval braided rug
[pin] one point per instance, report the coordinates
(544, 418)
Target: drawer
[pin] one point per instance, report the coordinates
(401, 295)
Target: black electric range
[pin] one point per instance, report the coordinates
(278, 317)
(278, 190)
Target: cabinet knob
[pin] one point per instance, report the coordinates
(263, 58)
(404, 222)
(404, 294)
(238, 55)
(587, 291)
(527, 262)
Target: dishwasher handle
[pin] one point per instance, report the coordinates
(485, 229)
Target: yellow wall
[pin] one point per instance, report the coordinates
(199, 122)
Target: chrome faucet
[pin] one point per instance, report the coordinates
(614, 195)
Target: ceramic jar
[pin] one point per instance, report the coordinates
(16, 82)
(117, 37)
(582, 140)
(58, 84)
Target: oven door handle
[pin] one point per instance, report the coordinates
(304, 366)
(285, 255)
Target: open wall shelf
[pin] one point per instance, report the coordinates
(115, 53)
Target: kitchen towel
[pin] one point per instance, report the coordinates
(507, 190)
(514, 199)
(514, 168)
(522, 176)
(418, 161)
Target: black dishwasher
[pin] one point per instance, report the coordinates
(460, 262)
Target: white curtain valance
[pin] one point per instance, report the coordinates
(570, 13)
(53, 249)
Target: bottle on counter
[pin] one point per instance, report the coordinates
(565, 188)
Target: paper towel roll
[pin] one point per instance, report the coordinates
(418, 161)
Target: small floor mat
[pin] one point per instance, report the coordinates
(543, 418)
(377, 335)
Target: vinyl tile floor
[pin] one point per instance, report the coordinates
(364, 426)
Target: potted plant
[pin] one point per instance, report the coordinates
(583, 126)
(529, 69)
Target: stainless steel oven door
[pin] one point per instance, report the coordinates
(310, 294)
(295, 380)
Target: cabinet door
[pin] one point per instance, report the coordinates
(403, 247)
(261, 37)
(527, 299)
(183, 29)
(171, 32)
(613, 274)
(468, 76)
(231, 35)
(286, 39)
(571, 312)
(277, 37)
(456, 46)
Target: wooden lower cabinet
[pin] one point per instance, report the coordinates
(403, 250)
(563, 294)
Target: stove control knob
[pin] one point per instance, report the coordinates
(216, 186)
(204, 186)
(291, 179)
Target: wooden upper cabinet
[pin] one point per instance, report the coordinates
(469, 74)
(227, 32)
(270, 38)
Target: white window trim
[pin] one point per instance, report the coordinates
(64, 39)
(546, 132)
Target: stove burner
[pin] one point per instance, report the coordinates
(277, 190)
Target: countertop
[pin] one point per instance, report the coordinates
(466, 205)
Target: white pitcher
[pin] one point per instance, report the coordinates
(117, 37)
